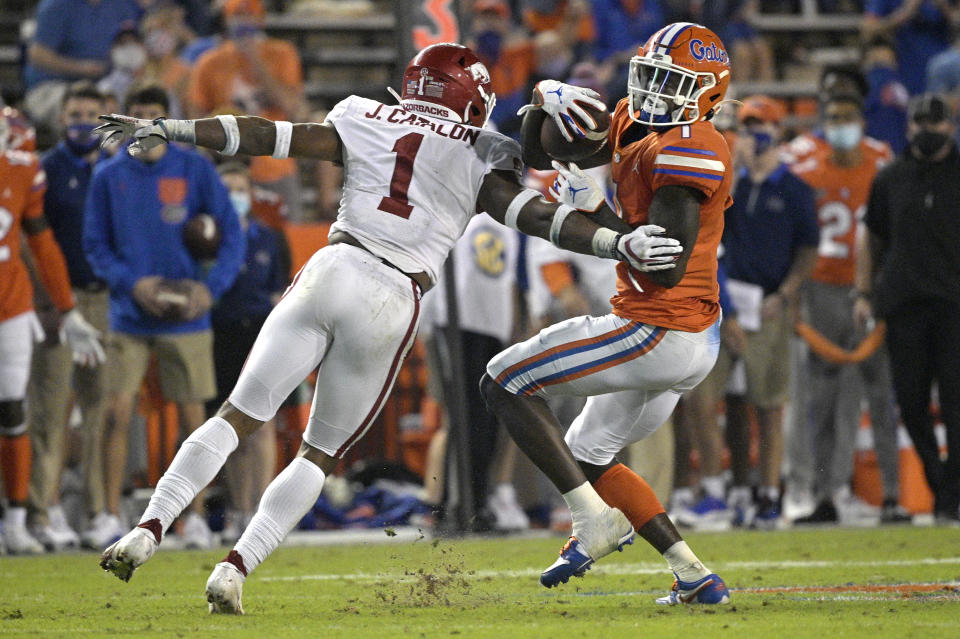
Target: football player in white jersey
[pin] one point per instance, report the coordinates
(414, 175)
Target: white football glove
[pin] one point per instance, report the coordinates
(116, 129)
(83, 339)
(575, 188)
(562, 102)
(645, 250)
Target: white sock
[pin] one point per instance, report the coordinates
(15, 517)
(285, 501)
(684, 563)
(195, 465)
(713, 486)
(584, 503)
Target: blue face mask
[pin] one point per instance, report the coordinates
(762, 141)
(241, 203)
(488, 44)
(242, 30)
(844, 137)
(80, 138)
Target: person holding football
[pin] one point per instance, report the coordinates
(160, 296)
(415, 174)
(671, 169)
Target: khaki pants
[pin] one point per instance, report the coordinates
(53, 381)
(184, 364)
(767, 362)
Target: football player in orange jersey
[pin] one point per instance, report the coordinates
(841, 176)
(672, 177)
(22, 185)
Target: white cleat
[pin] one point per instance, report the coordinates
(196, 533)
(603, 534)
(224, 589)
(63, 532)
(132, 551)
(19, 541)
(104, 529)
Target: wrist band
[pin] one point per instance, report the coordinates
(513, 209)
(558, 219)
(604, 243)
(232, 132)
(178, 130)
(281, 149)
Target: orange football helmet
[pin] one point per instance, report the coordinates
(678, 77)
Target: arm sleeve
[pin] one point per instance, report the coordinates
(808, 228)
(53, 23)
(197, 89)
(52, 268)
(49, 259)
(601, 11)
(877, 217)
(500, 153)
(233, 243)
(291, 71)
(98, 245)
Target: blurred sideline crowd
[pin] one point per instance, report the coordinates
(840, 323)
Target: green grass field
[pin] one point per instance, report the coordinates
(828, 584)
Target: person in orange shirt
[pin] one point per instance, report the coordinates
(841, 176)
(22, 186)
(672, 175)
(510, 56)
(251, 73)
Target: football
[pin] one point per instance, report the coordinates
(585, 142)
(201, 236)
(174, 296)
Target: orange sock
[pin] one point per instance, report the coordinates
(15, 463)
(622, 488)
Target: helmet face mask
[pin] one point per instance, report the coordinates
(675, 78)
(449, 82)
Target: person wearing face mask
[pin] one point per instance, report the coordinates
(829, 416)
(54, 376)
(909, 275)
(770, 242)
(253, 73)
(164, 33)
(237, 319)
(512, 58)
(134, 216)
(128, 57)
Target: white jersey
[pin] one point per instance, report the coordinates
(485, 263)
(411, 182)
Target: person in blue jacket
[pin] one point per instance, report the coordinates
(160, 295)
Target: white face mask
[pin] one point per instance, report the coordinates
(241, 203)
(129, 57)
(844, 137)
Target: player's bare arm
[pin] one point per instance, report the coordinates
(677, 210)
(228, 134)
(575, 231)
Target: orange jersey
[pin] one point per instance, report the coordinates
(22, 185)
(695, 156)
(803, 147)
(842, 194)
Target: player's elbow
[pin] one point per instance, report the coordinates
(668, 278)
